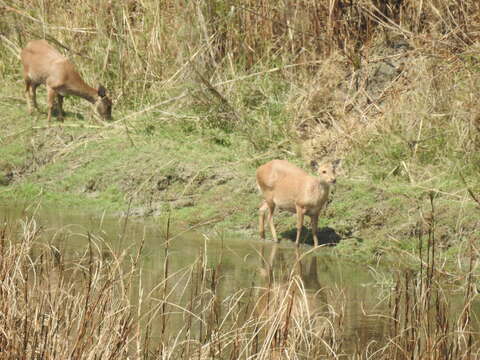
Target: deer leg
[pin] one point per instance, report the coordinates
(51, 94)
(60, 107)
(33, 92)
(28, 84)
(314, 229)
(300, 216)
(261, 218)
(271, 209)
(30, 94)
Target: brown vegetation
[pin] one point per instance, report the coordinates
(60, 305)
(391, 84)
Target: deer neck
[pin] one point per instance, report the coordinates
(80, 88)
(86, 92)
(323, 185)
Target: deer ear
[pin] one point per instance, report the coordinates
(314, 164)
(336, 162)
(102, 92)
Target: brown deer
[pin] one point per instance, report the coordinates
(288, 187)
(43, 64)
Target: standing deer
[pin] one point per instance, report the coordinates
(288, 187)
(43, 64)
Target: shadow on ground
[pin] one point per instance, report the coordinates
(326, 236)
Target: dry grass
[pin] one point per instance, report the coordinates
(346, 72)
(57, 309)
(95, 305)
(396, 81)
(131, 47)
(425, 321)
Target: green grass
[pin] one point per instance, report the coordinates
(207, 175)
(196, 111)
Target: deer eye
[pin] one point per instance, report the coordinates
(324, 171)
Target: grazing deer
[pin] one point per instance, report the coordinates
(43, 64)
(288, 187)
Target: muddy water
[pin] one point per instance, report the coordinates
(354, 291)
(244, 262)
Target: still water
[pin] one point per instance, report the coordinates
(362, 295)
(244, 262)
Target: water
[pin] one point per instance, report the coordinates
(244, 262)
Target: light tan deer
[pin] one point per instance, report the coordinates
(288, 187)
(43, 64)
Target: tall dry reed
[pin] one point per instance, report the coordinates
(94, 305)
